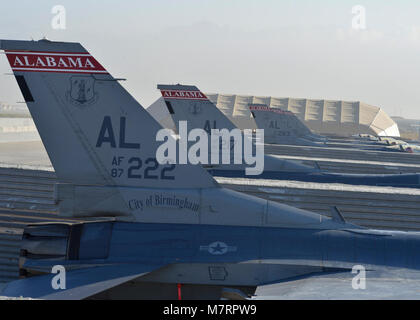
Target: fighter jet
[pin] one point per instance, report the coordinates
(283, 127)
(188, 103)
(174, 232)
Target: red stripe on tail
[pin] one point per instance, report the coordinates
(54, 62)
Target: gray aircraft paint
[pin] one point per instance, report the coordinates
(283, 127)
(215, 236)
(228, 256)
(188, 103)
(77, 125)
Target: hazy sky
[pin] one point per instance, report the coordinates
(303, 49)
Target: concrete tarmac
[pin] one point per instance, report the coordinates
(29, 153)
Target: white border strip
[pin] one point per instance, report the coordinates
(185, 98)
(59, 70)
(50, 54)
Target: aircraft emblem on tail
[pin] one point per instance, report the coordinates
(195, 109)
(82, 91)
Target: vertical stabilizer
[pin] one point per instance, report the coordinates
(94, 131)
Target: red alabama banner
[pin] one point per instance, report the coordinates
(53, 62)
(264, 108)
(183, 94)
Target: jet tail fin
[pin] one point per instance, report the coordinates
(80, 283)
(280, 126)
(94, 131)
(188, 103)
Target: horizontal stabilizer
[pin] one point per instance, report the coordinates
(336, 215)
(80, 284)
